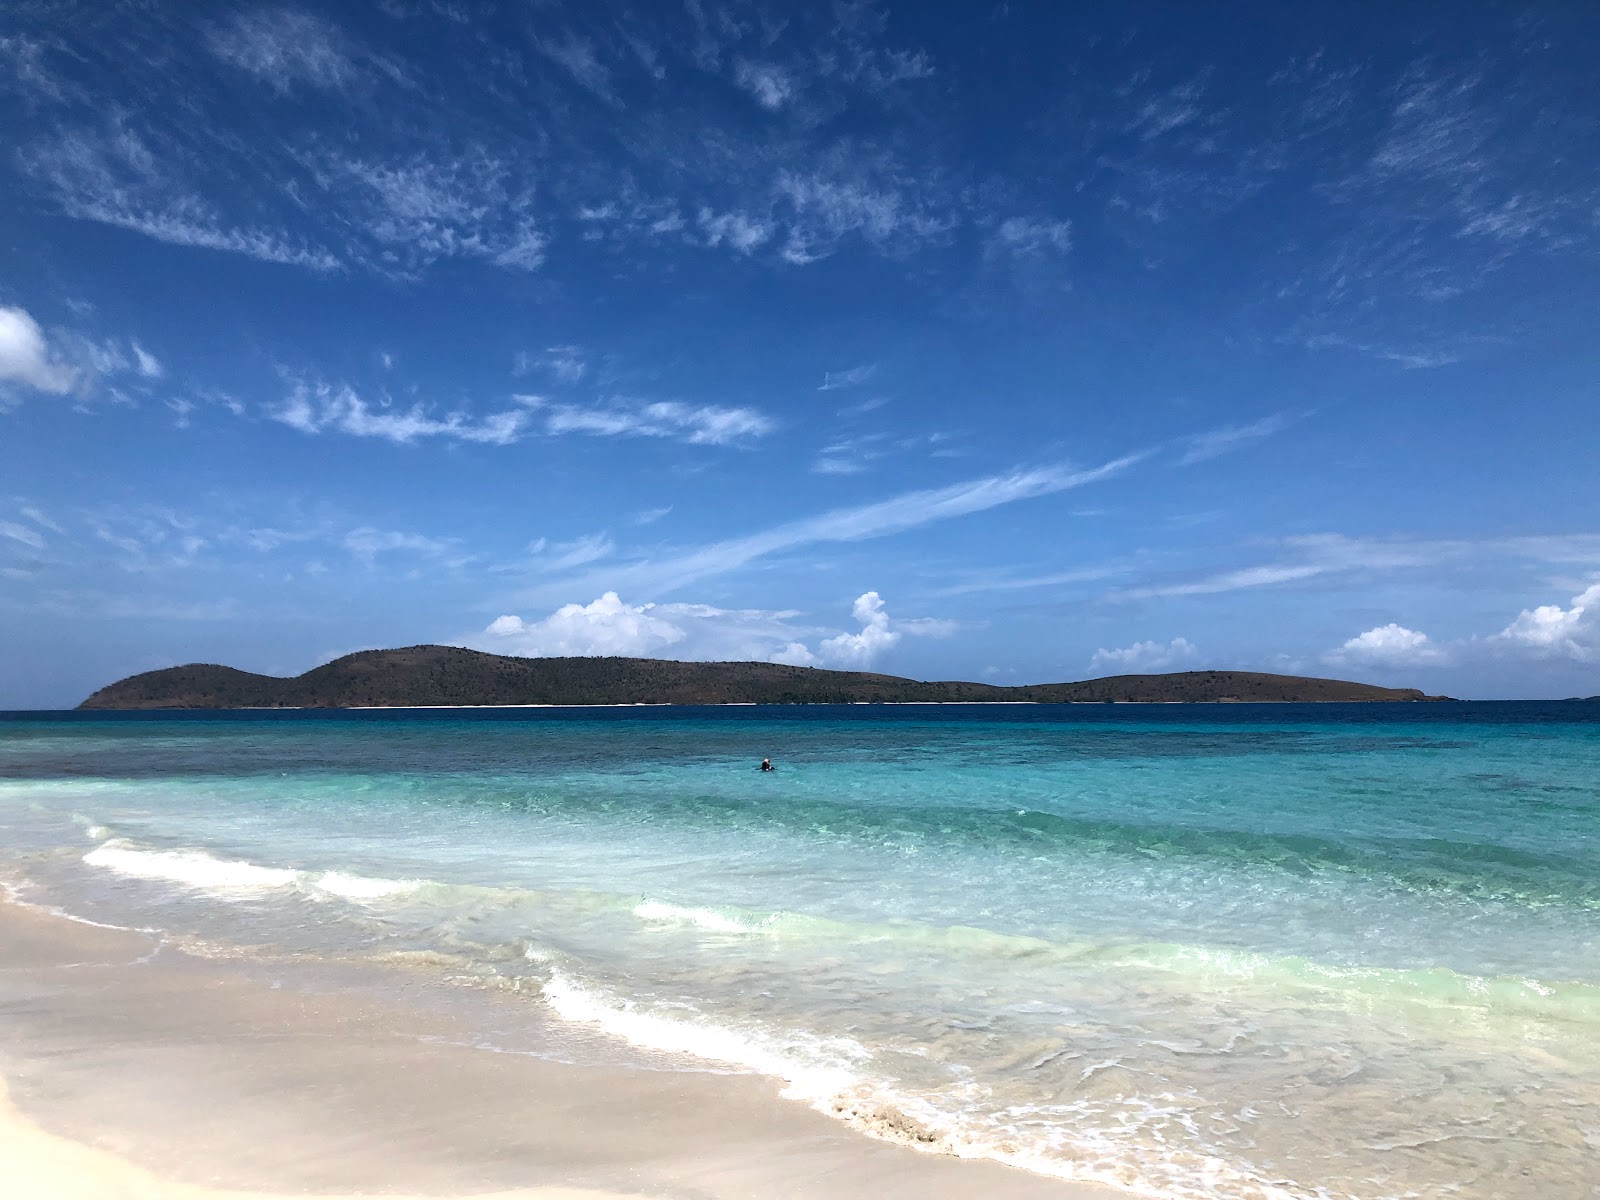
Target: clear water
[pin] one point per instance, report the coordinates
(1245, 951)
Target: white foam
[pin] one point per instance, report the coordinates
(705, 918)
(812, 1068)
(192, 868)
(362, 887)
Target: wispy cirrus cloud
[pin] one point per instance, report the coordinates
(22, 534)
(832, 381)
(1217, 442)
(1029, 238)
(1415, 358)
(367, 543)
(317, 406)
(424, 209)
(547, 556)
(770, 85)
(578, 57)
(288, 49)
(701, 425)
(1333, 556)
(909, 510)
(743, 232)
(115, 177)
(868, 196)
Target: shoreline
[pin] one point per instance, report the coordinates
(1221, 703)
(132, 1068)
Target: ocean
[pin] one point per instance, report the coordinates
(1190, 951)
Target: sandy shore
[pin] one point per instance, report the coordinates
(135, 1070)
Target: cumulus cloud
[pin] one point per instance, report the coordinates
(1142, 657)
(25, 356)
(605, 626)
(701, 632)
(876, 636)
(1390, 645)
(1551, 631)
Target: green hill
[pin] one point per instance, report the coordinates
(448, 675)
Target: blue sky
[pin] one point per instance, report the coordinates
(1005, 342)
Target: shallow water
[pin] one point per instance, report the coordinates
(1241, 950)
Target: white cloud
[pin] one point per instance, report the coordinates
(1027, 237)
(1143, 657)
(896, 514)
(874, 200)
(147, 364)
(318, 407)
(860, 650)
(367, 543)
(39, 518)
(25, 357)
(1390, 645)
(741, 231)
(1409, 359)
(566, 363)
(1551, 631)
(286, 49)
(116, 179)
(706, 425)
(1218, 442)
(700, 633)
(605, 626)
(426, 208)
(1232, 581)
(853, 377)
(576, 55)
(770, 85)
(563, 556)
(21, 533)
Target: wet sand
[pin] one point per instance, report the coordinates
(134, 1069)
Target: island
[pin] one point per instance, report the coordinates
(450, 676)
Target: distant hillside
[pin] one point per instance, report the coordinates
(448, 675)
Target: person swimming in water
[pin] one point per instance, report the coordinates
(766, 765)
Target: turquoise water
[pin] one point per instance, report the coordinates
(1238, 950)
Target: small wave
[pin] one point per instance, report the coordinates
(705, 918)
(361, 887)
(192, 868)
(813, 1069)
(832, 1077)
(203, 871)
